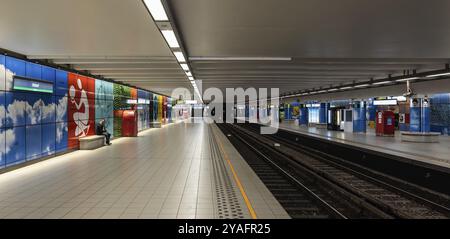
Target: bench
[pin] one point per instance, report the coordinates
(420, 137)
(155, 124)
(92, 142)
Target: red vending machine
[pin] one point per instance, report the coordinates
(385, 123)
(129, 123)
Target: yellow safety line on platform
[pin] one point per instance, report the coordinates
(236, 178)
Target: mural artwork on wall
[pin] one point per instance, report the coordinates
(38, 124)
(81, 108)
(104, 104)
(121, 95)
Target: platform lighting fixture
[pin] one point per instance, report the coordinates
(334, 89)
(188, 73)
(363, 85)
(381, 83)
(322, 91)
(407, 79)
(345, 87)
(180, 57)
(185, 67)
(156, 9)
(191, 78)
(239, 58)
(171, 39)
(437, 75)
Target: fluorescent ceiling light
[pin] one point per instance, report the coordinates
(332, 89)
(322, 91)
(191, 78)
(436, 75)
(157, 10)
(385, 102)
(179, 55)
(185, 67)
(171, 39)
(406, 79)
(381, 83)
(360, 86)
(188, 73)
(240, 58)
(346, 88)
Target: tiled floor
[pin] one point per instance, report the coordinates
(163, 173)
(436, 154)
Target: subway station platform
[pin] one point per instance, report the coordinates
(435, 155)
(184, 170)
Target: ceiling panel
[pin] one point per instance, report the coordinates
(332, 42)
(108, 38)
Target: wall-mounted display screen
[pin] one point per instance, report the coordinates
(27, 84)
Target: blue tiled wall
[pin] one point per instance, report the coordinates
(440, 113)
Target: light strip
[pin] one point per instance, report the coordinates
(171, 39)
(156, 9)
(382, 83)
(191, 78)
(360, 86)
(345, 88)
(179, 55)
(188, 73)
(407, 79)
(240, 58)
(332, 90)
(185, 67)
(436, 75)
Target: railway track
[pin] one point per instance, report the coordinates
(351, 192)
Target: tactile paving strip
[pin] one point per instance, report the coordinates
(228, 203)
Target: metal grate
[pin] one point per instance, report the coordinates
(228, 205)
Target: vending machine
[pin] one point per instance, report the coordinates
(385, 123)
(129, 123)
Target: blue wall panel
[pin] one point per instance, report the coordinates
(2, 148)
(2, 110)
(440, 113)
(16, 66)
(48, 74)
(33, 141)
(2, 72)
(15, 145)
(33, 108)
(414, 118)
(15, 104)
(48, 139)
(61, 140)
(61, 84)
(33, 70)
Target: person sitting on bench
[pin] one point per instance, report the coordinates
(101, 130)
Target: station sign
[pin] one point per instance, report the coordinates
(28, 84)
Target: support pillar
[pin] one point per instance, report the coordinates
(303, 115)
(420, 115)
(359, 116)
(323, 113)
